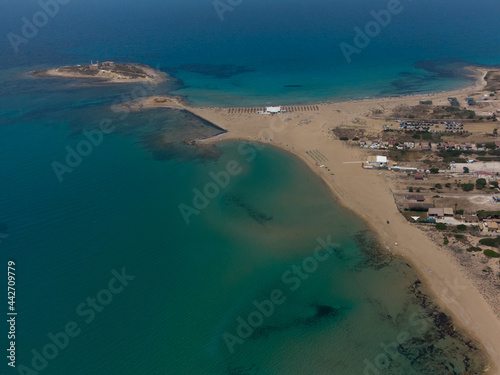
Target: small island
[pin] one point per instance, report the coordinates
(106, 72)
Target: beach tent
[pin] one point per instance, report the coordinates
(273, 109)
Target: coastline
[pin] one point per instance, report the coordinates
(368, 195)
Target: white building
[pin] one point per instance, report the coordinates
(378, 161)
(273, 110)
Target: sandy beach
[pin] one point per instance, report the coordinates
(367, 193)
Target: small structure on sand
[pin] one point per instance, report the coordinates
(435, 213)
(273, 110)
(378, 161)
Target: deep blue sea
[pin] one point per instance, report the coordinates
(112, 278)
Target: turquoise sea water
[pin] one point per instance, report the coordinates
(193, 283)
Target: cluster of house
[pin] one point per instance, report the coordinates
(456, 146)
(384, 145)
(424, 146)
(426, 126)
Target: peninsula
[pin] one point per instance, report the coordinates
(339, 140)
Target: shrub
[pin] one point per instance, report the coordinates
(410, 189)
(438, 186)
(474, 249)
(448, 185)
(491, 254)
(434, 170)
(493, 242)
(462, 227)
(446, 241)
(441, 226)
(483, 158)
(355, 139)
(481, 214)
(466, 170)
(480, 183)
(344, 138)
(415, 136)
(468, 187)
(460, 212)
(420, 209)
(459, 236)
(494, 184)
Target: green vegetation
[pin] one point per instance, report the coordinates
(485, 158)
(420, 209)
(490, 145)
(491, 254)
(416, 136)
(460, 212)
(434, 170)
(448, 185)
(355, 139)
(481, 214)
(459, 236)
(462, 227)
(458, 112)
(492, 242)
(468, 187)
(344, 138)
(438, 186)
(434, 137)
(446, 241)
(474, 249)
(494, 184)
(480, 183)
(441, 226)
(452, 155)
(466, 170)
(410, 189)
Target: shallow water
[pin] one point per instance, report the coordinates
(118, 206)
